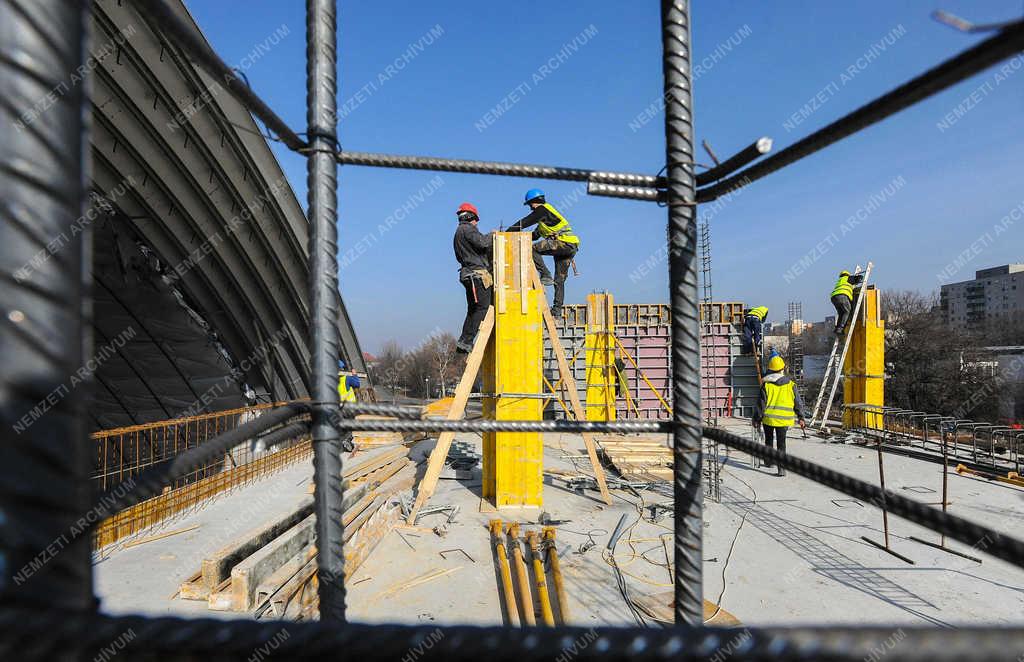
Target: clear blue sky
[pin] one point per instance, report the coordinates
(956, 184)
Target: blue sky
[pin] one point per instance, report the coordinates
(921, 187)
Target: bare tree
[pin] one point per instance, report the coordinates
(442, 347)
(388, 369)
(926, 365)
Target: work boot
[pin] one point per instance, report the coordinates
(546, 280)
(463, 348)
(557, 314)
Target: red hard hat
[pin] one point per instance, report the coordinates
(465, 206)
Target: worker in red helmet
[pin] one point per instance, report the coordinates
(473, 251)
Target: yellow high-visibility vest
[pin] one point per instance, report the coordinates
(760, 312)
(561, 230)
(843, 287)
(780, 410)
(345, 394)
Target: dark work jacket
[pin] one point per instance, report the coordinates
(472, 249)
(539, 215)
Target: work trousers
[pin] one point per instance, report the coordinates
(563, 252)
(778, 434)
(842, 305)
(751, 334)
(478, 298)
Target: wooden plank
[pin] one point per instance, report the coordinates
(168, 534)
(217, 567)
(525, 253)
(374, 461)
(437, 456)
(251, 572)
(280, 577)
(570, 386)
(499, 273)
(281, 599)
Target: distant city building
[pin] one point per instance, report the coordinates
(995, 294)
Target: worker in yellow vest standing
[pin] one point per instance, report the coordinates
(778, 407)
(753, 319)
(553, 236)
(348, 382)
(842, 298)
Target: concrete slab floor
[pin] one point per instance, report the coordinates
(796, 549)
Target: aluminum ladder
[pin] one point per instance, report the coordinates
(834, 367)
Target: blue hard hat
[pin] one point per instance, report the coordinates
(533, 194)
(341, 364)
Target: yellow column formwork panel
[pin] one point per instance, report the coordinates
(864, 368)
(512, 461)
(600, 357)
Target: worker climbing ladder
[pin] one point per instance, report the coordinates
(834, 367)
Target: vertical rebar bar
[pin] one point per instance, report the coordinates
(322, 184)
(44, 487)
(682, 239)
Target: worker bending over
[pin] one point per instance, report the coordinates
(778, 407)
(842, 298)
(753, 319)
(554, 237)
(473, 251)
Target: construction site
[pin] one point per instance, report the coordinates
(198, 463)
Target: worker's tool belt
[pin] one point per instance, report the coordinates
(485, 277)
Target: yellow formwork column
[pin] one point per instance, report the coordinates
(864, 369)
(512, 461)
(600, 347)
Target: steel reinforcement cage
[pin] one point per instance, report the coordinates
(48, 509)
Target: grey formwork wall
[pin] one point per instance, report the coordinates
(644, 330)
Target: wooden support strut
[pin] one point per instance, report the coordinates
(574, 396)
(437, 456)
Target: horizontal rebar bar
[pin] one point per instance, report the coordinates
(194, 46)
(627, 192)
(381, 425)
(1006, 43)
(752, 152)
(376, 160)
(980, 538)
(53, 634)
(348, 409)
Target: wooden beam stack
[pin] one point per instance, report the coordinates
(271, 569)
(637, 458)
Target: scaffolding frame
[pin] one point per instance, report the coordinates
(44, 169)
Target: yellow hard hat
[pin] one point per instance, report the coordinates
(776, 364)
(844, 272)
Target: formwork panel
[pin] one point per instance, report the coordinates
(729, 384)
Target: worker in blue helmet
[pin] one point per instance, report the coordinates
(348, 382)
(553, 236)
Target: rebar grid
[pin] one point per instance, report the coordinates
(81, 630)
(125, 453)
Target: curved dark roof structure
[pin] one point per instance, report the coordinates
(200, 246)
